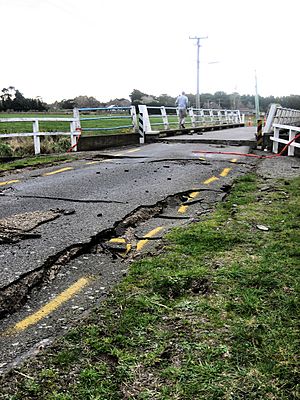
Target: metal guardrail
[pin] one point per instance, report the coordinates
(114, 111)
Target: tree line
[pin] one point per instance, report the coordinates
(11, 99)
(219, 100)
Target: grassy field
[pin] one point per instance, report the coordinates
(214, 316)
(109, 121)
(23, 146)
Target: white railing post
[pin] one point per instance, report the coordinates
(164, 117)
(134, 118)
(291, 149)
(75, 128)
(36, 138)
(270, 118)
(211, 114)
(76, 117)
(192, 116)
(275, 143)
(74, 135)
(144, 122)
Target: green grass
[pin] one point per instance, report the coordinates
(23, 146)
(36, 161)
(213, 317)
(60, 126)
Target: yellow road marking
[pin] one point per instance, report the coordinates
(182, 209)
(234, 160)
(51, 306)
(133, 150)
(122, 240)
(9, 182)
(225, 172)
(58, 171)
(119, 154)
(142, 242)
(99, 161)
(117, 240)
(92, 162)
(193, 194)
(210, 180)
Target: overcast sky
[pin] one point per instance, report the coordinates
(60, 49)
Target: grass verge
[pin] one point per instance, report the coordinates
(213, 317)
(36, 161)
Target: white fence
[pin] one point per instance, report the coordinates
(283, 122)
(36, 134)
(281, 115)
(75, 124)
(115, 113)
(167, 118)
(280, 129)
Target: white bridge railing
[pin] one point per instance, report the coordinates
(281, 115)
(280, 129)
(36, 134)
(112, 113)
(123, 118)
(283, 123)
(167, 118)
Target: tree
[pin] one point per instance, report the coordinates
(13, 99)
(85, 101)
(136, 96)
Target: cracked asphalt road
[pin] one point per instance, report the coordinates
(95, 202)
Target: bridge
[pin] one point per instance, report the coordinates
(120, 126)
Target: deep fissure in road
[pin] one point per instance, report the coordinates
(15, 295)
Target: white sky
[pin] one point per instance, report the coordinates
(60, 49)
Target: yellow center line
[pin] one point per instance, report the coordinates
(51, 306)
(225, 172)
(98, 161)
(58, 171)
(210, 180)
(122, 240)
(132, 151)
(234, 160)
(182, 209)
(9, 182)
(152, 233)
(118, 154)
(92, 162)
(193, 194)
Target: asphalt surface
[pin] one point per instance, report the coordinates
(70, 219)
(91, 198)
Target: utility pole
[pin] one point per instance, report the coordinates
(198, 64)
(256, 99)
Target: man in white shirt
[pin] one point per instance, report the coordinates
(182, 103)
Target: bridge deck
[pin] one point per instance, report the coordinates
(240, 136)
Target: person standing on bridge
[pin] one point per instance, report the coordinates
(182, 103)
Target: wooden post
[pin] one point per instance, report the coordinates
(36, 138)
(164, 117)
